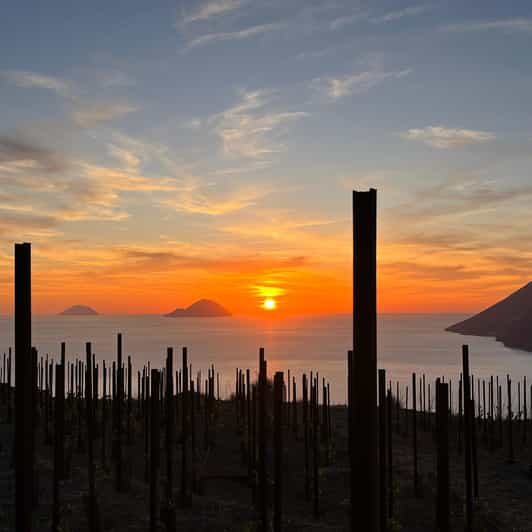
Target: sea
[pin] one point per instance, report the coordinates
(407, 343)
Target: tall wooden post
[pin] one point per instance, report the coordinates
(414, 434)
(89, 413)
(184, 430)
(262, 469)
(24, 422)
(278, 384)
(119, 403)
(155, 428)
(59, 441)
(442, 419)
(364, 469)
(382, 448)
(467, 440)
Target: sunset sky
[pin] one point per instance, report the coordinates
(159, 152)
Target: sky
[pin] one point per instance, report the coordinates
(155, 153)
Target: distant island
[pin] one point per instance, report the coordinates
(203, 308)
(509, 321)
(79, 310)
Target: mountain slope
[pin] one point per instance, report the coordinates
(509, 320)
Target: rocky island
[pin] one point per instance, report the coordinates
(203, 308)
(79, 310)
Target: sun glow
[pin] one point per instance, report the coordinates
(269, 304)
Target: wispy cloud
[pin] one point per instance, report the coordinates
(357, 83)
(17, 155)
(511, 25)
(93, 114)
(246, 129)
(212, 9)
(25, 79)
(246, 33)
(392, 16)
(444, 137)
(196, 198)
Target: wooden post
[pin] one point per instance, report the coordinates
(184, 430)
(442, 419)
(248, 405)
(305, 436)
(59, 442)
(169, 506)
(364, 470)
(390, 452)
(511, 456)
(263, 482)
(119, 402)
(467, 439)
(278, 450)
(315, 448)
(414, 434)
(155, 429)
(474, 454)
(91, 502)
(129, 398)
(24, 383)
(382, 448)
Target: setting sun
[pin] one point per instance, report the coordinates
(269, 304)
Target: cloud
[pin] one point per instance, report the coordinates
(358, 83)
(444, 138)
(345, 20)
(252, 31)
(245, 129)
(26, 79)
(214, 8)
(17, 155)
(401, 13)
(91, 115)
(510, 25)
(197, 198)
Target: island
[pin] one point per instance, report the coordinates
(203, 308)
(509, 321)
(79, 310)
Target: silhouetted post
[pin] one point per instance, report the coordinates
(119, 401)
(474, 454)
(169, 506)
(460, 415)
(390, 452)
(184, 429)
(442, 418)
(129, 394)
(382, 448)
(305, 436)
(263, 482)
(155, 437)
(193, 434)
(104, 417)
(278, 384)
(315, 449)
(511, 456)
(524, 411)
(91, 502)
(248, 405)
(414, 434)
(424, 406)
(9, 405)
(294, 406)
(364, 472)
(467, 438)
(147, 416)
(24, 422)
(59, 442)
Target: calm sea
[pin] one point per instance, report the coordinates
(406, 343)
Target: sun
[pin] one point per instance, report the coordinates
(269, 304)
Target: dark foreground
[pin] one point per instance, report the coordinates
(222, 488)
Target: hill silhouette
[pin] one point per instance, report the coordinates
(79, 310)
(508, 321)
(203, 308)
